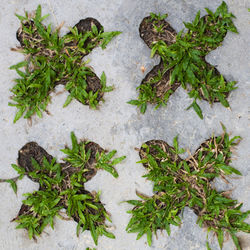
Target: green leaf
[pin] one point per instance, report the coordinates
(149, 237)
(81, 197)
(175, 143)
(223, 127)
(197, 18)
(220, 237)
(110, 169)
(13, 185)
(94, 30)
(108, 234)
(93, 232)
(21, 18)
(134, 202)
(167, 227)
(235, 240)
(134, 102)
(74, 142)
(82, 217)
(38, 12)
(19, 114)
(118, 160)
(196, 108)
(228, 169)
(30, 231)
(19, 169)
(152, 162)
(44, 17)
(208, 247)
(19, 65)
(68, 101)
(205, 91)
(222, 100)
(103, 79)
(209, 12)
(35, 85)
(107, 37)
(143, 108)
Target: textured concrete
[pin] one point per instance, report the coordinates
(117, 125)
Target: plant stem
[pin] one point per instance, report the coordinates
(15, 179)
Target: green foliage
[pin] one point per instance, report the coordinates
(13, 185)
(13, 181)
(52, 60)
(104, 161)
(78, 157)
(148, 94)
(62, 188)
(185, 60)
(179, 183)
(157, 17)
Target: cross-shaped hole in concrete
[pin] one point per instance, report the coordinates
(52, 60)
(183, 59)
(179, 183)
(62, 186)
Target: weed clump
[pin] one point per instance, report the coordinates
(179, 183)
(51, 60)
(62, 186)
(183, 59)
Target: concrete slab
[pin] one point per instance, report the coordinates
(117, 125)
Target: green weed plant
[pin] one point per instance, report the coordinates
(51, 60)
(179, 183)
(185, 61)
(62, 186)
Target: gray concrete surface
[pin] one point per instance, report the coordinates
(117, 125)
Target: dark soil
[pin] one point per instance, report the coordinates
(91, 210)
(21, 36)
(149, 34)
(163, 85)
(154, 152)
(94, 84)
(29, 151)
(93, 81)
